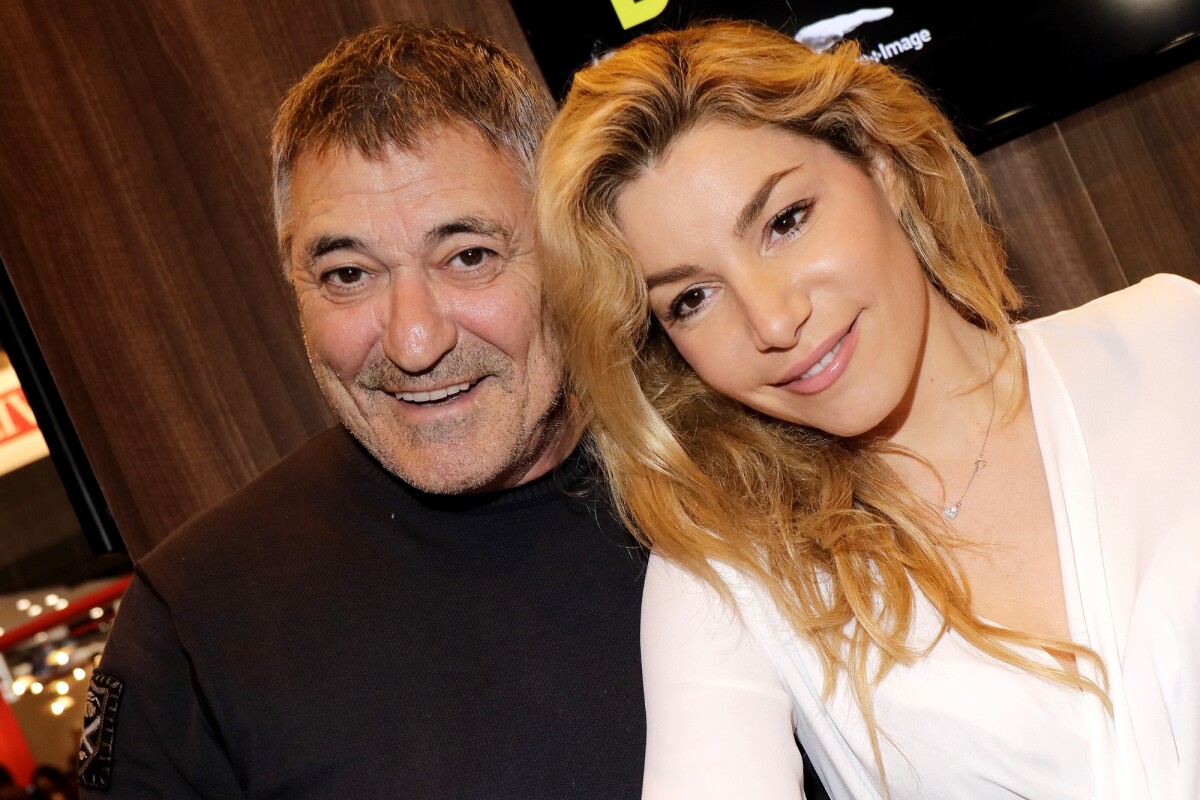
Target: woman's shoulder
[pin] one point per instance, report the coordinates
(1162, 299)
(1128, 357)
(670, 584)
(1154, 321)
(677, 600)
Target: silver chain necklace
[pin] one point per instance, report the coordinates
(951, 511)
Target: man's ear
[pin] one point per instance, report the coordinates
(884, 173)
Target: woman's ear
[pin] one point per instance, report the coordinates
(884, 174)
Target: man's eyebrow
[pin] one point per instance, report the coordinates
(670, 276)
(328, 243)
(479, 226)
(755, 206)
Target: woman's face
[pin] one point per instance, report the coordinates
(780, 271)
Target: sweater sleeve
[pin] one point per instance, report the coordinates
(718, 716)
(157, 739)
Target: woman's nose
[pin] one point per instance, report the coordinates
(775, 308)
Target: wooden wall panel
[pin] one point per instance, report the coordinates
(1107, 196)
(1140, 159)
(1060, 254)
(135, 223)
(134, 219)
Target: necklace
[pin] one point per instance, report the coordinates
(951, 511)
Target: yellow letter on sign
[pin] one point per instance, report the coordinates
(635, 12)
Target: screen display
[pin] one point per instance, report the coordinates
(999, 69)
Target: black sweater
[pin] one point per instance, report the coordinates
(330, 632)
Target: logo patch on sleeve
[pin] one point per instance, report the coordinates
(99, 725)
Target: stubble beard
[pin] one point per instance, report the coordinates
(444, 456)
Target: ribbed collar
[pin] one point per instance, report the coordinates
(575, 472)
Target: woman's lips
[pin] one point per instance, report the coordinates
(817, 373)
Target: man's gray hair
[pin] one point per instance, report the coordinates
(395, 85)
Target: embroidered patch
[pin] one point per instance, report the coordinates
(99, 725)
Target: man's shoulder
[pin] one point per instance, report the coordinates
(284, 497)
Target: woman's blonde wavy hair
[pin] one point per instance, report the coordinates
(823, 523)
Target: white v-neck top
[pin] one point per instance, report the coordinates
(1115, 391)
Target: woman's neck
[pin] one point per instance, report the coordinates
(957, 397)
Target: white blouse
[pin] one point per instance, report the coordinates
(1115, 390)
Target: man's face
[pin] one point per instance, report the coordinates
(421, 306)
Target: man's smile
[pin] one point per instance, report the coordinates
(434, 395)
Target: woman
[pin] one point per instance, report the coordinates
(953, 556)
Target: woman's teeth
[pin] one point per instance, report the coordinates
(825, 361)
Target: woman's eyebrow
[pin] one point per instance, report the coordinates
(670, 275)
(755, 205)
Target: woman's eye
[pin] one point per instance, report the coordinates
(472, 257)
(688, 302)
(786, 224)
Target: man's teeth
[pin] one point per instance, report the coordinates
(436, 394)
(825, 361)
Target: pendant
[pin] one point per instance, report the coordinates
(951, 511)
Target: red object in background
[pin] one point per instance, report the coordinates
(78, 608)
(14, 750)
(16, 417)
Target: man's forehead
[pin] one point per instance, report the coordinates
(447, 148)
(321, 175)
(428, 187)
(449, 157)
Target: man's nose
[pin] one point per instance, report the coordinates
(775, 307)
(419, 327)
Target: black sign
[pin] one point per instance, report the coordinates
(999, 67)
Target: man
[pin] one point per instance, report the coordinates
(424, 601)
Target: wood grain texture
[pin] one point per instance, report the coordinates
(1139, 156)
(135, 222)
(1106, 196)
(1057, 247)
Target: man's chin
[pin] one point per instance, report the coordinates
(466, 453)
(444, 481)
(442, 469)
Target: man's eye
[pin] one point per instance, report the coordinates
(343, 276)
(472, 257)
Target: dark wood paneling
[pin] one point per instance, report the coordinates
(1107, 196)
(1057, 246)
(1139, 156)
(135, 222)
